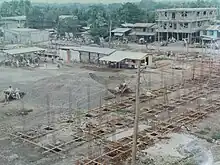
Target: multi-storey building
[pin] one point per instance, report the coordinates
(183, 23)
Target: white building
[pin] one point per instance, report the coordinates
(13, 22)
(84, 54)
(25, 35)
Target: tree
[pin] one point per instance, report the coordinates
(35, 18)
(15, 8)
(50, 18)
(98, 19)
(130, 13)
(69, 25)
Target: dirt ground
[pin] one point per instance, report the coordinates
(58, 84)
(38, 83)
(53, 95)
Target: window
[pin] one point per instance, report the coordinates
(144, 29)
(218, 34)
(211, 33)
(173, 16)
(165, 26)
(171, 25)
(165, 14)
(198, 13)
(211, 12)
(186, 25)
(184, 14)
(174, 25)
(204, 13)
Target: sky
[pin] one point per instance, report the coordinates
(82, 1)
(79, 1)
(85, 1)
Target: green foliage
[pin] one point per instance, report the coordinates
(130, 13)
(69, 25)
(216, 136)
(15, 8)
(96, 16)
(35, 18)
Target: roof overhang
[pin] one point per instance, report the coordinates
(23, 50)
(119, 56)
(90, 49)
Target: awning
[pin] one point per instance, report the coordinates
(122, 55)
(23, 50)
(105, 51)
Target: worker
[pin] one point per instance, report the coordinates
(17, 94)
(28, 62)
(146, 44)
(52, 60)
(10, 89)
(45, 65)
(58, 66)
(8, 93)
(124, 85)
(17, 62)
(117, 89)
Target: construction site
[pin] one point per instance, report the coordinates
(127, 104)
(74, 115)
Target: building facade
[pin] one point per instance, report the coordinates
(25, 36)
(183, 23)
(212, 32)
(146, 31)
(121, 32)
(13, 22)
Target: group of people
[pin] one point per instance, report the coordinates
(13, 93)
(21, 60)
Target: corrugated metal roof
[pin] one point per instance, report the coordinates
(127, 25)
(141, 25)
(23, 50)
(121, 30)
(206, 37)
(105, 51)
(213, 27)
(122, 55)
(16, 18)
(186, 9)
(142, 34)
(144, 25)
(22, 30)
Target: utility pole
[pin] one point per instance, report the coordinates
(137, 113)
(110, 31)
